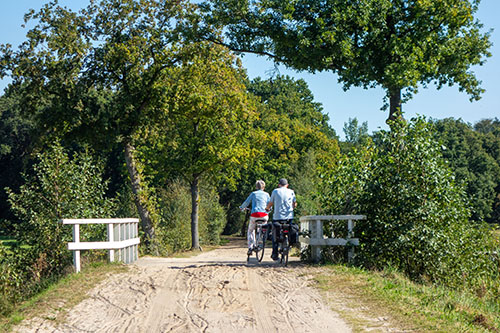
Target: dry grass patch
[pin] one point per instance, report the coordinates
(54, 302)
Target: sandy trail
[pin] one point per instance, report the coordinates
(216, 291)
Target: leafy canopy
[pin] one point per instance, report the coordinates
(395, 44)
(102, 67)
(205, 128)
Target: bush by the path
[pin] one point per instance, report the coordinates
(418, 217)
(173, 223)
(62, 187)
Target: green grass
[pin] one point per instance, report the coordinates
(410, 306)
(61, 296)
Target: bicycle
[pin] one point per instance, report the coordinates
(261, 234)
(283, 240)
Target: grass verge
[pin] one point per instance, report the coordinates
(370, 300)
(54, 302)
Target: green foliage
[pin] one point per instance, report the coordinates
(344, 184)
(103, 67)
(62, 186)
(11, 281)
(16, 139)
(394, 44)
(418, 220)
(474, 157)
(355, 135)
(209, 116)
(289, 137)
(173, 229)
(206, 127)
(173, 226)
(212, 217)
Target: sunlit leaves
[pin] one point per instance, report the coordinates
(398, 45)
(417, 213)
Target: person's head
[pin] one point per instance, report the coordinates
(283, 182)
(260, 185)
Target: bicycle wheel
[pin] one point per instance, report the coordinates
(286, 249)
(261, 244)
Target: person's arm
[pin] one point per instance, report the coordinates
(270, 203)
(247, 202)
(294, 200)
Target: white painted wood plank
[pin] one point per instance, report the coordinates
(328, 241)
(76, 254)
(99, 221)
(111, 239)
(103, 245)
(332, 217)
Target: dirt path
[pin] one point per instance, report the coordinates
(216, 291)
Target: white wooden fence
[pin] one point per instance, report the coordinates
(313, 226)
(123, 237)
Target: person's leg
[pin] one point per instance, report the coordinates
(251, 233)
(276, 230)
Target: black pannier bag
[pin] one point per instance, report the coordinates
(294, 234)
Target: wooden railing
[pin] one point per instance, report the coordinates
(313, 227)
(122, 236)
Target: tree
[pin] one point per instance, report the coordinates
(290, 135)
(210, 115)
(60, 187)
(16, 142)
(471, 155)
(417, 214)
(395, 44)
(99, 73)
(354, 133)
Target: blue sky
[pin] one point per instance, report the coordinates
(339, 105)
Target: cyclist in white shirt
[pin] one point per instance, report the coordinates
(284, 201)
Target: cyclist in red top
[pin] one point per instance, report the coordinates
(259, 200)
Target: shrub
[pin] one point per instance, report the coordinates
(61, 187)
(212, 217)
(173, 227)
(417, 216)
(173, 230)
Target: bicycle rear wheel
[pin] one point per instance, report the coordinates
(261, 245)
(285, 250)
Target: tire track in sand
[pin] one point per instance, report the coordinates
(217, 291)
(261, 310)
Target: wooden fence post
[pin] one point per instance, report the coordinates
(111, 238)
(76, 254)
(350, 235)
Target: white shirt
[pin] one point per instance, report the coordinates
(283, 199)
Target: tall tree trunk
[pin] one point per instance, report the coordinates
(145, 216)
(395, 110)
(243, 231)
(195, 203)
